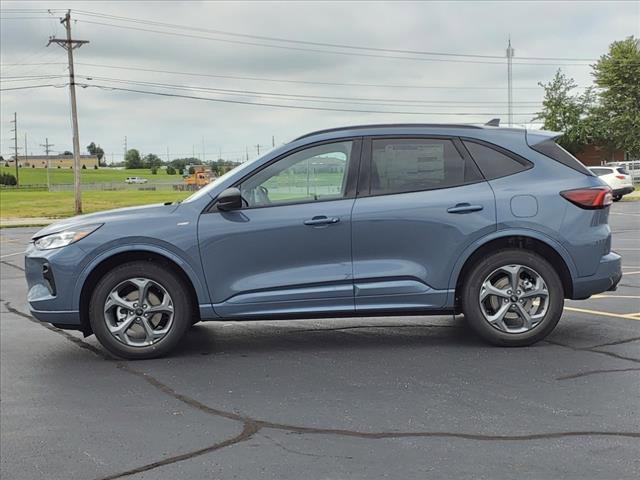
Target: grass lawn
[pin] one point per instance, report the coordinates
(26, 204)
(38, 176)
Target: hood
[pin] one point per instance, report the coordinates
(106, 217)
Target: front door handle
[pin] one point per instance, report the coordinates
(321, 220)
(465, 208)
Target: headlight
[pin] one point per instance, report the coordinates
(64, 238)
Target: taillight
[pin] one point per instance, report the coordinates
(620, 177)
(589, 198)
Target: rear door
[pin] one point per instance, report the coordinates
(421, 202)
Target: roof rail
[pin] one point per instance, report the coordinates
(390, 125)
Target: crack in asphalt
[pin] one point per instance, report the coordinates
(251, 426)
(617, 342)
(595, 372)
(248, 431)
(593, 350)
(12, 265)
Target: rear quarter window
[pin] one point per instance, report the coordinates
(552, 150)
(493, 163)
(622, 170)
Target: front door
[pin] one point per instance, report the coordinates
(425, 203)
(288, 252)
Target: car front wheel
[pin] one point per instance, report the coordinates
(513, 298)
(140, 310)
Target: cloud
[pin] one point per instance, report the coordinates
(153, 123)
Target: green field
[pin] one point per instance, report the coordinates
(30, 204)
(38, 176)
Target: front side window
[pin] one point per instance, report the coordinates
(314, 174)
(409, 165)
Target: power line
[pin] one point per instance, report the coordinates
(34, 86)
(313, 43)
(314, 98)
(315, 50)
(303, 82)
(296, 107)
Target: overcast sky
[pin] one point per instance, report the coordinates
(152, 123)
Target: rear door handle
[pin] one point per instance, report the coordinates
(465, 208)
(321, 220)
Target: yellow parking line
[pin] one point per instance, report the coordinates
(615, 296)
(626, 316)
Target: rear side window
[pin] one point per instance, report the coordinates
(409, 165)
(622, 170)
(492, 163)
(552, 150)
(601, 171)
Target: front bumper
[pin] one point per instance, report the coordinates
(606, 278)
(51, 279)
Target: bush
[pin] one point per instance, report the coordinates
(192, 170)
(171, 170)
(7, 179)
(154, 170)
(95, 167)
(84, 167)
(181, 171)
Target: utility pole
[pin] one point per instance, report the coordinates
(510, 52)
(15, 143)
(69, 45)
(247, 153)
(47, 149)
(203, 155)
(258, 149)
(25, 146)
(124, 156)
(273, 141)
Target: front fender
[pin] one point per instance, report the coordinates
(168, 251)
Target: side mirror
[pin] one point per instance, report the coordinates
(229, 199)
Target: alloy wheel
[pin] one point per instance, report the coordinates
(514, 298)
(139, 312)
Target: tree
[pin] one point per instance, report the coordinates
(567, 112)
(67, 152)
(152, 161)
(97, 151)
(617, 117)
(171, 170)
(181, 163)
(132, 159)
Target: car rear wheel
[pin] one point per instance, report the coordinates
(513, 298)
(617, 198)
(140, 310)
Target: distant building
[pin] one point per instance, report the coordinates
(55, 161)
(594, 155)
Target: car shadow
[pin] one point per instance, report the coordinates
(211, 338)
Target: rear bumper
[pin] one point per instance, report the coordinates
(607, 277)
(622, 191)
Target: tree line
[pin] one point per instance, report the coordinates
(606, 114)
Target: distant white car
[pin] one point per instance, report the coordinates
(136, 180)
(617, 178)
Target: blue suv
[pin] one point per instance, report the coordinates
(499, 224)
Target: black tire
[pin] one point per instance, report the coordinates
(471, 292)
(157, 272)
(617, 198)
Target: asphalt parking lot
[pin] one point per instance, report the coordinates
(400, 398)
